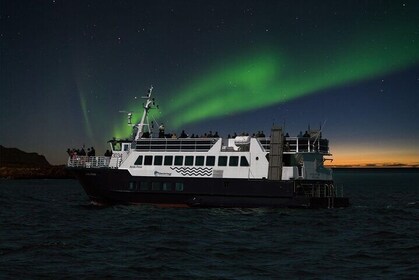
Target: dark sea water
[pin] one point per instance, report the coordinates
(48, 229)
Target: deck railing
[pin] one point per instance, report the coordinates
(300, 144)
(180, 144)
(88, 161)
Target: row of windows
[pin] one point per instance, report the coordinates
(155, 186)
(191, 160)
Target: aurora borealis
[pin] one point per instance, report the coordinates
(68, 67)
(262, 81)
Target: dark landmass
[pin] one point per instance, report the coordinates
(17, 164)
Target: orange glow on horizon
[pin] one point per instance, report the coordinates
(380, 157)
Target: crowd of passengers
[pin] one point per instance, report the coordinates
(91, 152)
(183, 134)
(210, 134)
(81, 152)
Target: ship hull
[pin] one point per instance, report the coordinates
(116, 186)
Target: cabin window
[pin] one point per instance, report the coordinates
(222, 161)
(132, 186)
(139, 161)
(126, 147)
(188, 160)
(158, 160)
(167, 186)
(179, 187)
(243, 161)
(199, 161)
(145, 186)
(234, 161)
(156, 186)
(168, 160)
(286, 159)
(210, 161)
(148, 160)
(178, 160)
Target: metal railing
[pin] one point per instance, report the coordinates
(178, 144)
(300, 144)
(88, 162)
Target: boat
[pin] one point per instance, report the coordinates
(152, 167)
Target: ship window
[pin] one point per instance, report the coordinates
(178, 160)
(243, 161)
(145, 186)
(168, 160)
(156, 186)
(179, 187)
(167, 186)
(234, 161)
(189, 160)
(139, 161)
(126, 147)
(158, 160)
(199, 161)
(132, 186)
(286, 159)
(210, 160)
(222, 161)
(148, 160)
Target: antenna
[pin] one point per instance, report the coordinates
(320, 132)
(150, 102)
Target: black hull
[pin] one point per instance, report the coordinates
(114, 186)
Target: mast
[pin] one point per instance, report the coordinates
(144, 119)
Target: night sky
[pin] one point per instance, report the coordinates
(68, 67)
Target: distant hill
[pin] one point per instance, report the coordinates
(12, 157)
(17, 164)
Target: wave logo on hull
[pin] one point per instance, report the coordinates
(193, 171)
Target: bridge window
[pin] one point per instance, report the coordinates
(210, 160)
(188, 160)
(148, 160)
(243, 161)
(158, 160)
(178, 160)
(222, 161)
(139, 161)
(199, 161)
(168, 160)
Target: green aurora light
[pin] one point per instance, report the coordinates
(269, 78)
(273, 75)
